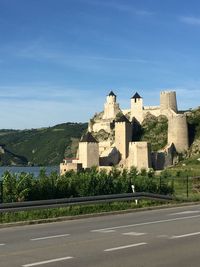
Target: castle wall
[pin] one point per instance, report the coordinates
(139, 155)
(102, 125)
(178, 132)
(89, 154)
(110, 157)
(168, 101)
(103, 146)
(155, 111)
(64, 167)
(164, 158)
(123, 134)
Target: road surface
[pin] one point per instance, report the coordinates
(166, 237)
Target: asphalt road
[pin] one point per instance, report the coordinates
(167, 237)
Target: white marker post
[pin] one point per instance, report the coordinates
(133, 189)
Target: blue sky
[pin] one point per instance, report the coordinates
(60, 58)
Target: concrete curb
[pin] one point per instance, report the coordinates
(92, 215)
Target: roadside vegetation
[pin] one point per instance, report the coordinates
(49, 214)
(26, 187)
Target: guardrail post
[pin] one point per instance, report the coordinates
(133, 189)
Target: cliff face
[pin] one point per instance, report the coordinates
(195, 148)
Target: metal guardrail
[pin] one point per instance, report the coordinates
(64, 202)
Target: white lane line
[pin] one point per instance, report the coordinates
(134, 233)
(146, 223)
(46, 262)
(2, 244)
(185, 212)
(123, 247)
(48, 237)
(185, 235)
(108, 231)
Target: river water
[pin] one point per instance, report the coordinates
(34, 170)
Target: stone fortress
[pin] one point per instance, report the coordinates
(110, 137)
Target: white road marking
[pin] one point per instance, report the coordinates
(2, 244)
(46, 262)
(145, 223)
(185, 235)
(48, 237)
(127, 246)
(186, 212)
(108, 231)
(134, 233)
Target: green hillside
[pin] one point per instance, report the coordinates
(9, 158)
(154, 130)
(44, 146)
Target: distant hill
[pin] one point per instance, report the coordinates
(43, 146)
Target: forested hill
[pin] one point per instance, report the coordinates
(43, 146)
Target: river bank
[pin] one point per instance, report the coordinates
(35, 170)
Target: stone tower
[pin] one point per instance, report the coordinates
(88, 151)
(123, 135)
(137, 107)
(111, 108)
(168, 101)
(139, 155)
(178, 132)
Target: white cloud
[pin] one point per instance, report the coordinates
(190, 20)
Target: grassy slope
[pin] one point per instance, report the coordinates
(154, 130)
(45, 146)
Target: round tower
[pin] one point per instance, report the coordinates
(137, 107)
(178, 132)
(111, 98)
(111, 108)
(168, 101)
